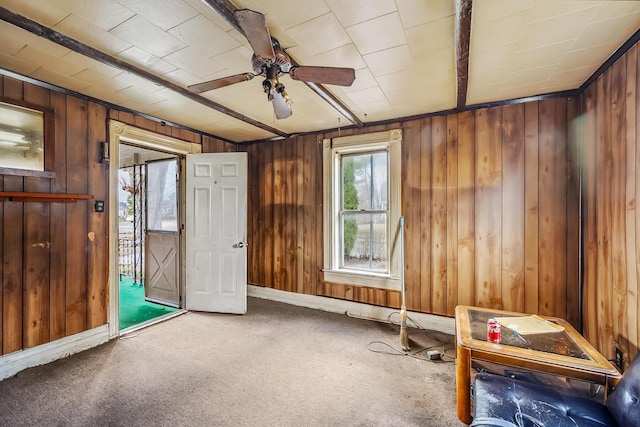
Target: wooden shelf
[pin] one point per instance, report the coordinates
(20, 196)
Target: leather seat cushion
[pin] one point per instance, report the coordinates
(525, 404)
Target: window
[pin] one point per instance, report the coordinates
(26, 139)
(362, 209)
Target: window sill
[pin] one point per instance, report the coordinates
(370, 280)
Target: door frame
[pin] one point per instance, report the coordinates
(122, 132)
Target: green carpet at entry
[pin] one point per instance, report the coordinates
(133, 307)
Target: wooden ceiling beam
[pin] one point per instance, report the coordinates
(226, 9)
(86, 50)
(463, 36)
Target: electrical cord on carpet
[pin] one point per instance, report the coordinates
(393, 351)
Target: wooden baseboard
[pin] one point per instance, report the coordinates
(13, 363)
(353, 309)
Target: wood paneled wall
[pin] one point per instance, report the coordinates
(54, 256)
(54, 259)
(611, 123)
(491, 205)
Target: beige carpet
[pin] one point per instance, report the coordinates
(278, 365)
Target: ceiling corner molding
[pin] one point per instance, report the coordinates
(463, 36)
(226, 9)
(52, 35)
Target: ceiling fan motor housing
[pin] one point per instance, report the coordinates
(280, 60)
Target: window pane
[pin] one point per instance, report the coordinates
(161, 196)
(364, 241)
(21, 138)
(364, 181)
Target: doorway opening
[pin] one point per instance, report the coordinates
(148, 235)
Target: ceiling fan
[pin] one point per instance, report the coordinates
(270, 61)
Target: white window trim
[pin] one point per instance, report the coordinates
(332, 150)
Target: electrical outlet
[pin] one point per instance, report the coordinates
(619, 359)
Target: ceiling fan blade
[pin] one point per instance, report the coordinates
(255, 29)
(218, 83)
(328, 75)
(280, 106)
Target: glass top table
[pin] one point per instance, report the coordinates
(556, 350)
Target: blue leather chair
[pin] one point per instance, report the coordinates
(507, 402)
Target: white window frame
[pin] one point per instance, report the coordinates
(333, 150)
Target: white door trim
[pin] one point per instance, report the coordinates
(122, 132)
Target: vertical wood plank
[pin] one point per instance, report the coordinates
(279, 216)
(426, 215)
(553, 228)
(590, 246)
(631, 202)
(573, 250)
(618, 200)
(487, 212)
(76, 267)
(37, 244)
(310, 211)
(513, 188)
(531, 221)
(466, 208)
(319, 251)
(452, 214)
(298, 174)
(268, 225)
(634, 295)
(96, 245)
(57, 272)
(252, 212)
(411, 200)
(439, 215)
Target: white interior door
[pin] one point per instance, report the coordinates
(216, 227)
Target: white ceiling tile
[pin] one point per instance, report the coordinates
(486, 11)
(534, 58)
(354, 12)
(530, 76)
(182, 78)
(378, 34)
(193, 62)
(615, 9)
(13, 38)
(47, 13)
(213, 16)
(165, 14)
(615, 30)
(366, 96)
(500, 56)
(17, 65)
(92, 64)
(319, 35)
(202, 35)
(138, 82)
(431, 36)
(490, 34)
(235, 61)
(567, 80)
(521, 91)
(147, 36)
(79, 29)
(52, 63)
(96, 78)
(364, 80)
(105, 14)
(389, 61)
(592, 57)
(136, 56)
(287, 13)
(417, 12)
(63, 81)
(555, 29)
(344, 56)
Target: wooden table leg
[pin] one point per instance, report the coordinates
(463, 383)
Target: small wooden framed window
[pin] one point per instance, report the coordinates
(27, 145)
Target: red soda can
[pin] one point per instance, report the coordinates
(494, 331)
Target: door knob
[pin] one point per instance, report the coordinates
(242, 244)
